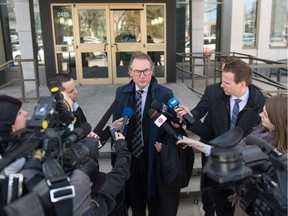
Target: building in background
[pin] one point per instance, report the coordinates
(93, 40)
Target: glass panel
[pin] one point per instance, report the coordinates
(10, 34)
(210, 18)
(66, 63)
(94, 65)
(38, 30)
(279, 24)
(63, 25)
(250, 23)
(122, 62)
(159, 61)
(92, 26)
(155, 24)
(127, 26)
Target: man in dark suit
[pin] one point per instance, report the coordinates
(218, 101)
(141, 188)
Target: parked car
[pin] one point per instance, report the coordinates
(248, 39)
(209, 45)
(16, 52)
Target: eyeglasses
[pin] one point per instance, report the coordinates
(146, 72)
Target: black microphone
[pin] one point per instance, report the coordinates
(159, 120)
(157, 106)
(127, 113)
(99, 127)
(173, 102)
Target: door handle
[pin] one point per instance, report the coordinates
(116, 46)
(105, 46)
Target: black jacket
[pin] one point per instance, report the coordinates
(115, 180)
(81, 121)
(217, 120)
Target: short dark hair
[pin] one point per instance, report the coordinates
(239, 68)
(57, 81)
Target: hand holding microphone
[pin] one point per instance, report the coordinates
(183, 111)
(127, 113)
(163, 108)
(160, 121)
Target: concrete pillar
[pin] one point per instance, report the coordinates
(197, 25)
(23, 19)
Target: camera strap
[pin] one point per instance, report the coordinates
(61, 191)
(11, 188)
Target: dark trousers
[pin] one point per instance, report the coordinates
(137, 190)
(169, 197)
(214, 198)
(169, 200)
(206, 194)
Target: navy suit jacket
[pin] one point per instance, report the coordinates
(151, 133)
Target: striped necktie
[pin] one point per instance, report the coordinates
(137, 146)
(235, 112)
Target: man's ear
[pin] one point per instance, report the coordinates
(243, 84)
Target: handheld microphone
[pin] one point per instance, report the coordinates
(159, 120)
(173, 102)
(127, 113)
(157, 106)
(99, 127)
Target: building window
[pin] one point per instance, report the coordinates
(250, 23)
(279, 24)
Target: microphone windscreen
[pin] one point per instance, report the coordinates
(99, 127)
(127, 112)
(171, 100)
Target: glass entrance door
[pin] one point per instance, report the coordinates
(127, 37)
(93, 39)
(94, 43)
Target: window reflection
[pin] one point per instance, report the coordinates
(66, 63)
(63, 25)
(159, 62)
(250, 23)
(155, 24)
(92, 26)
(127, 26)
(94, 65)
(279, 24)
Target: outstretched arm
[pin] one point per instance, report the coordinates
(202, 147)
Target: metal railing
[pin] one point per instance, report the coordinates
(17, 67)
(209, 68)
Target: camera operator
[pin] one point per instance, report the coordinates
(98, 199)
(12, 118)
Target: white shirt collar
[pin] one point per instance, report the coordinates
(244, 98)
(145, 89)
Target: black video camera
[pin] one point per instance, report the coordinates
(48, 136)
(257, 172)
